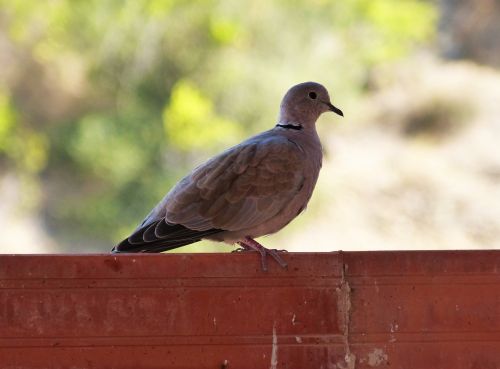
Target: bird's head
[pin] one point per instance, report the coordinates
(304, 103)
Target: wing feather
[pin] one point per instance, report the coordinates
(161, 236)
(243, 187)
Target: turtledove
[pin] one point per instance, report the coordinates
(250, 190)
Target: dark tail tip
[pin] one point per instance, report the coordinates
(114, 250)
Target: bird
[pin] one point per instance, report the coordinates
(250, 190)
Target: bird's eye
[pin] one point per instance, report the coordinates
(312, 95)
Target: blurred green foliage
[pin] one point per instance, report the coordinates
(191, 123)
(105, 104)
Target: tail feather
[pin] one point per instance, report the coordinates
(161, 236)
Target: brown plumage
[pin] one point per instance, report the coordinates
(249, 190)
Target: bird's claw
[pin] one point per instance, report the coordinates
(276, 256)
(250, 244)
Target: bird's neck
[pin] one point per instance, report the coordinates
(295, 119)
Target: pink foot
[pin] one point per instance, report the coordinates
(250, 244)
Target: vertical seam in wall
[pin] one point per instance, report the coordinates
(344, 306)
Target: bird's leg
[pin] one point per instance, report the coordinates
(246, 246)
(249, 243)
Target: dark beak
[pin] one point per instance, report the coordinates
(334, 109)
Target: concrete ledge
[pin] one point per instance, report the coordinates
(404, 310)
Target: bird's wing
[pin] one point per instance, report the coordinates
(241, 188)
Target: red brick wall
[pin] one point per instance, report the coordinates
(331, 310)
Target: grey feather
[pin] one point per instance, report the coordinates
(249, 190)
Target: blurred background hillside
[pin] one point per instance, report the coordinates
(104, 105)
